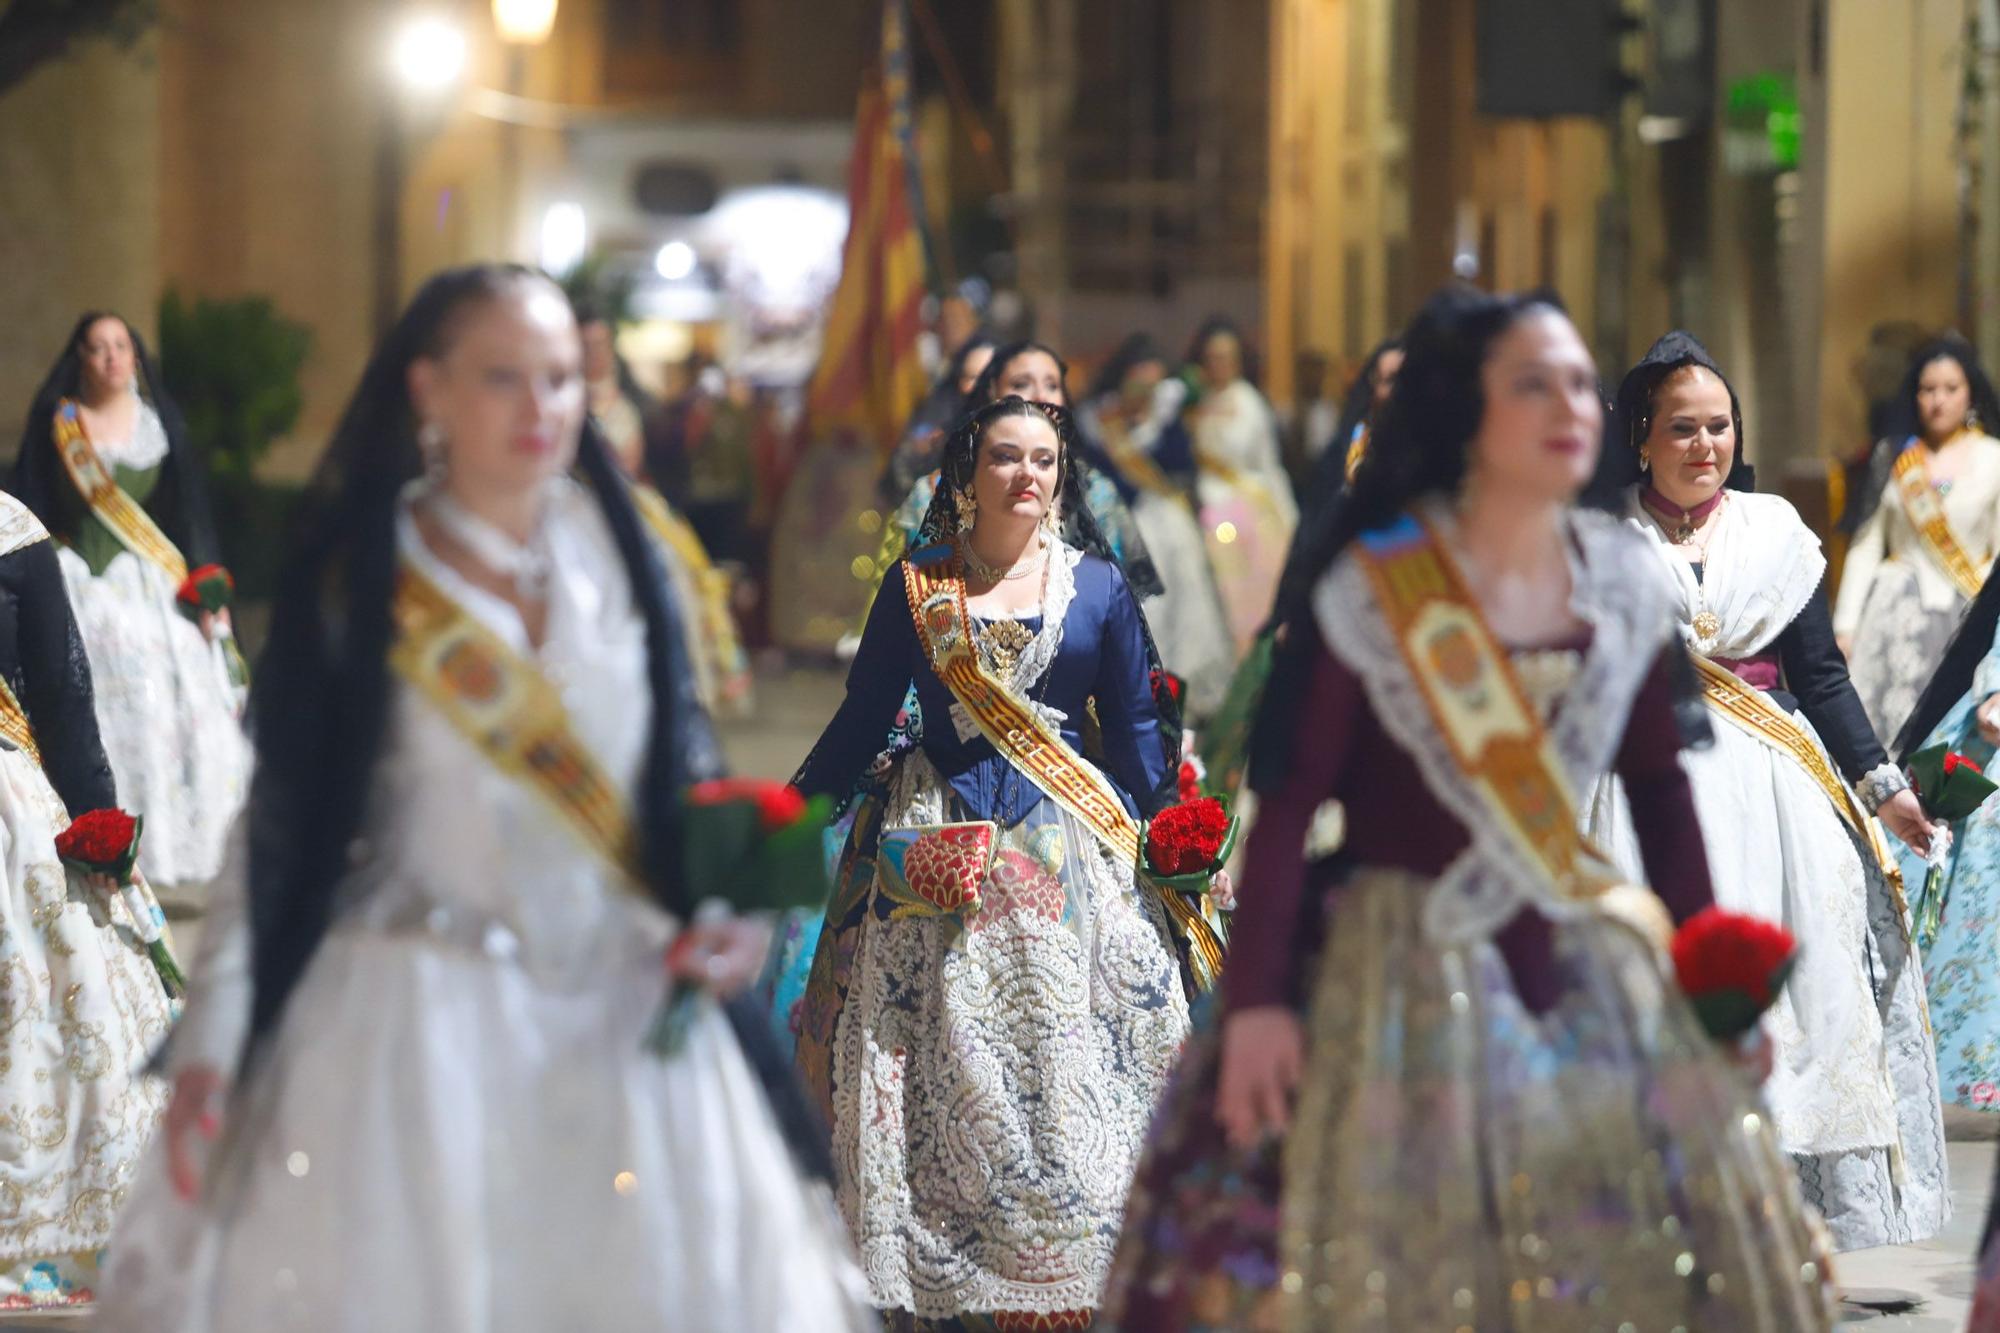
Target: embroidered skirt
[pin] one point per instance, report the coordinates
(989, 1073)
(1457, 1162)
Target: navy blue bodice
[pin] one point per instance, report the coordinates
(1102, 657)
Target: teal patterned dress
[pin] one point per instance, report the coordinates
(1962, 964)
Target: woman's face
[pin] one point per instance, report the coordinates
(107, 357)
(1140, 381)
(1019, 462)
(971, 367)
(1033, 375)
(1221, 360)
(1944, 399)
(508, 391)
(1543, 421)
(1692, 441)
(1387, 366)
(600, 351)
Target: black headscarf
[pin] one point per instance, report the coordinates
(1137, 561)
(1080, 527)
(322, 694)
(1632, 420)
(179, 502)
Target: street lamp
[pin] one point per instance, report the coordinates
(524, 22)
(429, 53)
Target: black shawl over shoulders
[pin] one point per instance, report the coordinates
(42, 657)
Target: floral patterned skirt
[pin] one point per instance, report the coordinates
(989, 1072)
(1456, 1161)
(1897, 647)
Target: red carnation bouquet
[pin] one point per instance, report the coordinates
(106, 842)
(1950, 787)
(1185, 844)
(209, 588)
(751, 846)
(1732, 968)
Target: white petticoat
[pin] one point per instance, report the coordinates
(439, 1141)
(167, 713)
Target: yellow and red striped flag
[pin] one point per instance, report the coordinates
(870, 376)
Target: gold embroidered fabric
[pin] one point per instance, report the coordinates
(1459, 1163)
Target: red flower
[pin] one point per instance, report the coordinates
(1167, 680)
(778, 804)
(99, 838)
(1954, 762)
(1187, 837)
(1720, 951)
(1190, 782)
(208, 588)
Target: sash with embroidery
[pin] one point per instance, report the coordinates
(1926, 510)
(1030, 744)
(120, 513)
(1478, 706)
(510, 712)
(1751, 710)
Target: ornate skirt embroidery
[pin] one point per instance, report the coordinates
(990, 1076)
(1457, 1162)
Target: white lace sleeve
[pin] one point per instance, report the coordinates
(217, 1017)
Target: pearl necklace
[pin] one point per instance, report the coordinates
(990, 574)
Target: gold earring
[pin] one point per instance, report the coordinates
(1645, 459)
(966, 508)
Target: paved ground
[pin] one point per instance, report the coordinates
(1936, 1275)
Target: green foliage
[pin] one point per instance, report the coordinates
(593, 281)
(36, 32)
(232, 367)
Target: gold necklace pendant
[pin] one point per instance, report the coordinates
(1707, 624)
(1004, 642)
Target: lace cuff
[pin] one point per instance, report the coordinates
(1880, 783)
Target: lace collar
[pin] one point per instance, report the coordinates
(1619, 589)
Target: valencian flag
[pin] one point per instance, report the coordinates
(870, 376)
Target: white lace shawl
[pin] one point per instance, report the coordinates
(1620, 591)
(1762, 566)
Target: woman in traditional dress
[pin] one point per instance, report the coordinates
(458, 880)
(1133, 412)
(1854, 1088)
(104, 465)
(996, 1000)
(1487, 1102)
(1961, 708)
(624, 413)
(1245, 499)
(1924, 552)
(84, 1004)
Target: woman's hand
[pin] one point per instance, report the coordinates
(1844, 642)
(1903, 815)
(1222, 891)
(1754, 1054)
(721, 957)
(1263, 1053)
(193, 1109)
(1989, 719)
(215, 624)
(99, 882)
